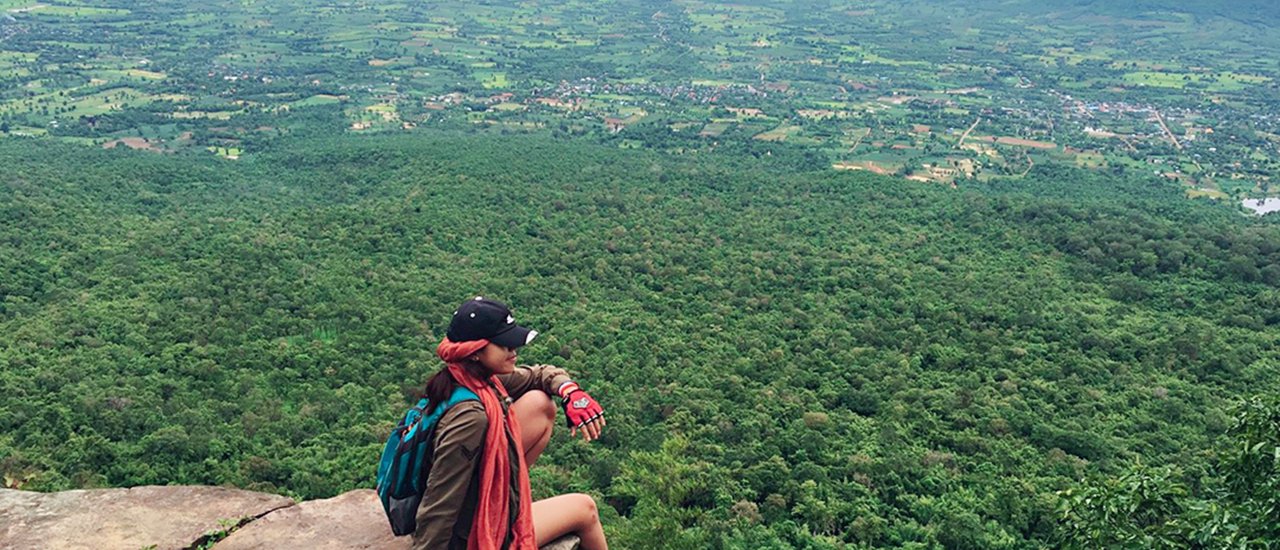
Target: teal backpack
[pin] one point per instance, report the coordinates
(406, 461)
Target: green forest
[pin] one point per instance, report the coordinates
(790, 356)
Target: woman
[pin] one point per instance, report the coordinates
(478, 491)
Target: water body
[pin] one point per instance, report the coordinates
(1262, 206)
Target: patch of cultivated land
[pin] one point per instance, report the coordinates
(1017, 142)
(867, 165)
(130, 142)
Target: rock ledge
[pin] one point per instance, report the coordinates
(184, 517)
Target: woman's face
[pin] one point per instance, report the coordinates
(497, 359)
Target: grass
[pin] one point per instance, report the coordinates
(113, 75)
(1222, 81)
(1091, 160)
(150, 75)
(1210, 193)
(780, 133)
(226, 152)
(318, 99)
(90, 105)
(10, 59)
(393, 62)
(714, 129)
(26, 131)
(493, 80)
(381, 113)
(859, 55)
(77, 11)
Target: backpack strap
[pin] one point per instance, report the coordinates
(459, 395)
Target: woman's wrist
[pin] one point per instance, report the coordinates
(567, 388)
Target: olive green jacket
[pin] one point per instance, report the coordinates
(448, 508)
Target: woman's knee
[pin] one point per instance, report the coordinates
(536, 411)
(541, 404)
(585, 509)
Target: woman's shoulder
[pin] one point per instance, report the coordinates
(465, 420)
(462, 430)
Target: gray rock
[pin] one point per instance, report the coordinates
(350, 520)
(179, 517)
(567, 542)
(126, 519)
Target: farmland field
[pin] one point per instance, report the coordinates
(821, 71)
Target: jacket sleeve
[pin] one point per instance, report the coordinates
(547, 378)
(459, 445)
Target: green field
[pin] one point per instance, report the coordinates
(883, 65)
(59, 10)
(1216, 81)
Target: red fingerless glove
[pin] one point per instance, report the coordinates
(579, 408)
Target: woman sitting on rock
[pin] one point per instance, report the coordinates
(478, 494)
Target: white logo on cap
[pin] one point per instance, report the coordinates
(510, 319)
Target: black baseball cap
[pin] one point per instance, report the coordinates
(483, 319)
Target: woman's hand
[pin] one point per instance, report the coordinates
(581, 412)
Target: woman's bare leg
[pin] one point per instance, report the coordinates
(558, 516)
(537, 416)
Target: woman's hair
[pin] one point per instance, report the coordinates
(440, 385)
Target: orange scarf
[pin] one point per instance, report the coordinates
(489, 529)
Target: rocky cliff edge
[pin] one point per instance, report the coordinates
(193, 517)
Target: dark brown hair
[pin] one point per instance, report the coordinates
(440, 385)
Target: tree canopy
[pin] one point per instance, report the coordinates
(789, 357)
